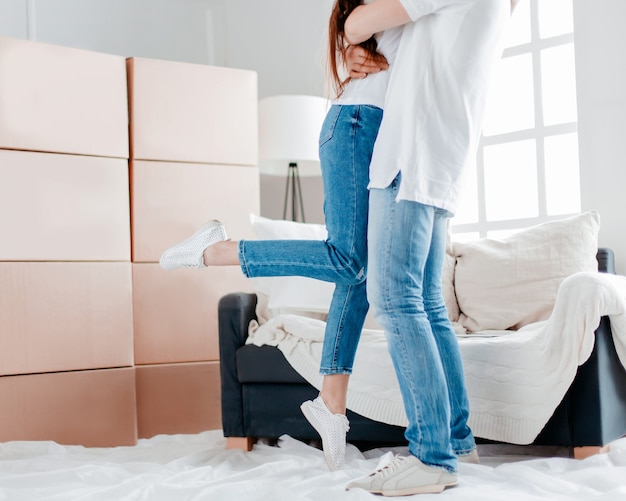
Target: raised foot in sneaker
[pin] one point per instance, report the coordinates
(332, 428)
(404, 476)
(190, 252)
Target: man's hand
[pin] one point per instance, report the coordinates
(360, 64)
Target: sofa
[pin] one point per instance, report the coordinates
(262, 392)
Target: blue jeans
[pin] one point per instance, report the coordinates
(346, 143)
(407, 242)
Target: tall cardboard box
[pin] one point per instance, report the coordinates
(62, 100)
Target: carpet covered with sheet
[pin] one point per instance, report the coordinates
(515, 379)
(198, 467)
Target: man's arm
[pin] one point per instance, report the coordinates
(372, 18)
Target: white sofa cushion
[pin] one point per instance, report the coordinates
(511, 282)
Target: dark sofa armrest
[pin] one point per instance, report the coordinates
(606, 260)
(234, 314)
(235, 311)
(598, 394)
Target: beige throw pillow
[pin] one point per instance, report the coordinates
(511, 282)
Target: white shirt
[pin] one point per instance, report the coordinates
(373, 89)
(436, 96)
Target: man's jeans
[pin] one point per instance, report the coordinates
(407, 242)
(346, 144)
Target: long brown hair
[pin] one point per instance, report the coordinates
(337, 44)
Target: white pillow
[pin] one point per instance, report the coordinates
(511, 282)
(279, 229)
(296, 295)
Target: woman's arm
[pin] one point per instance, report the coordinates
(372, 18)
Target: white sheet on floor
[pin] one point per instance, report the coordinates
(514, 381)
(199, 468)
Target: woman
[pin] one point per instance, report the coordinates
(346, 143)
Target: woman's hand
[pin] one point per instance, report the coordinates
(360, 63)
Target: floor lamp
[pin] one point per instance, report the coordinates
(289, 129)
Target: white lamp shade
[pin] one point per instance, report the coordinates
(289, 130)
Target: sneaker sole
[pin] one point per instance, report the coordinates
(308, 414)
(424, 489)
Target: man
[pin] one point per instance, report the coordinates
(428, 135)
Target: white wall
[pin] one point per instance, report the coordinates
(166, 29)
(600, 41)
(284, 41)
(13, 22)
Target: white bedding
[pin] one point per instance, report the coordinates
(515, 381)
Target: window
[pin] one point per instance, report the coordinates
(527, 162)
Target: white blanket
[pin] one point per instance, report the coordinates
(514, 381)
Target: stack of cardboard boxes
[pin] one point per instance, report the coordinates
(193, 157)
(98, 344)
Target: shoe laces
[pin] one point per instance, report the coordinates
(391, 468)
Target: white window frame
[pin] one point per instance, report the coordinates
(483, 227)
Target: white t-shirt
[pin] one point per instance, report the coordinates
(373, 88)
(436, 96)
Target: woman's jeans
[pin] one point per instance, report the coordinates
(346, 143)
(407, 242)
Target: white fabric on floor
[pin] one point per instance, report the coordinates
(198, 467)
(514, 381)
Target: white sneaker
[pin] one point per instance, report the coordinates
(331, 427)
(406, 475)
(189, 253)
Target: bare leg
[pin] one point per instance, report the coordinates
(222, 253)
(334, 392)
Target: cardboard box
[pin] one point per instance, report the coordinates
(184, 112)
(178, 398)
(89, 408)
(170, 201)
(63, 207)
(63, 100)
(175, 311)
(65, 316)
